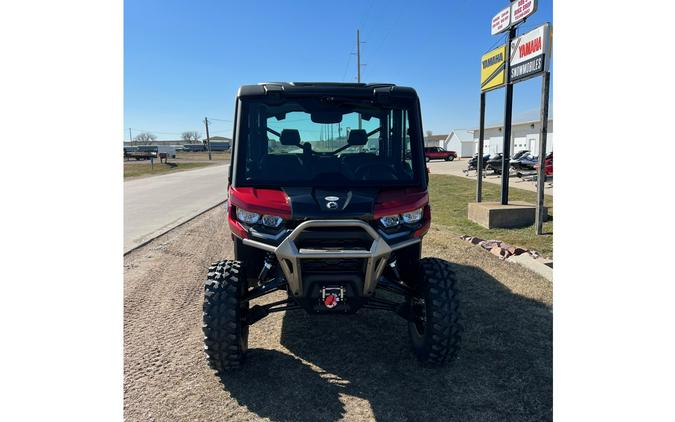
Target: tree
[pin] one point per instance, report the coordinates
(145, 138)
(191, 136)
(429, 133)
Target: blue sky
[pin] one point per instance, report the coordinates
(185, 60)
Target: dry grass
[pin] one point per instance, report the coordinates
(451, 194)
(355, 368)
(147, 169)
(203, 156)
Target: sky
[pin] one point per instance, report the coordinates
(184, 61)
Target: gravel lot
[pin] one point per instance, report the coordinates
(303, 368)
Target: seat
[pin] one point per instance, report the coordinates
(290, 137)
(351, 162)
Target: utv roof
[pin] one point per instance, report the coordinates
(338, 88)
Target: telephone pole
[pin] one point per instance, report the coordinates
(130, 139)
(358, 56)
(358, 63)
(208, 140)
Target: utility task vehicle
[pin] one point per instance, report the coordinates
(328, 203)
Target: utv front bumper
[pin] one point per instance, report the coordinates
(290, 256)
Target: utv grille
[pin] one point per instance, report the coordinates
(351, 265)
(334, 238)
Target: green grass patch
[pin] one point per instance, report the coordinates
(145, 169)
(450, 195)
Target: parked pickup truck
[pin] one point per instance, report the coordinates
(438, 153)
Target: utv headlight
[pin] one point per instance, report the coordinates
(247, 217)
(413, 216)
(272, 220)
(390, 221)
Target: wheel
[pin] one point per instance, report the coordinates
(435, 333)
(225, 328)
(449, 158)
(427, 159)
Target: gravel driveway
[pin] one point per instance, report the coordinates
(358, 368)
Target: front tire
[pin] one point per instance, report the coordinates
(224, 325)
(449, 158)
(436, 332)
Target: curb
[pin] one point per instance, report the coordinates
(140, 245)
(538, 266)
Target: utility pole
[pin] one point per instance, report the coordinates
(508, 109)
(541, 173)
(481, 143)
(131, 141)
(358, 64)
(208, 140)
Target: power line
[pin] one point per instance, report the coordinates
(499, 40)
(349, 60)
(154, 131)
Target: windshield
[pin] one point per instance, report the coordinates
(323, 141)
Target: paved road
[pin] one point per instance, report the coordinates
(456, 168)
(156, 204)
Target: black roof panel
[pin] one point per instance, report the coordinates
(300, 88)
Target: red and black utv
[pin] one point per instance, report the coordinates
(328, 202)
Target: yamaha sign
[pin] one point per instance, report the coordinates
(530, 54)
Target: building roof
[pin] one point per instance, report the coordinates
(464, 135)
(436, 138)
(529, 122)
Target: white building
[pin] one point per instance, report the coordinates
(461, 141)
(524, 135)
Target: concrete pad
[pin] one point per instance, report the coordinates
(541, 266)
(495, 215)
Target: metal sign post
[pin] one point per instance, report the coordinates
(481, 141)
(508, 109)
(541, 173)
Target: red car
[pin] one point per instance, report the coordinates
(548, 165)
(438, 153)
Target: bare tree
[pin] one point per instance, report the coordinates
(145, 138)
(429, 133)
(191, 136)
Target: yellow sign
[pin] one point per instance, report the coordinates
(492, 67)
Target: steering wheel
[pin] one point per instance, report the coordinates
(365, 170)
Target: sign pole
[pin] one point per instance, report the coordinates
(508, 108)
(541, 174)
(481, 141)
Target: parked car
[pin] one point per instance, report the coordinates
(548, 164)
(438, 153)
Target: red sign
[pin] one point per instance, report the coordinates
(520, 9)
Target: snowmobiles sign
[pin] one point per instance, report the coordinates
(530, 54)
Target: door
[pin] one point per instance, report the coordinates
(533, 144)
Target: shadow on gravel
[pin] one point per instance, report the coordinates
(503, 372)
